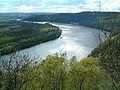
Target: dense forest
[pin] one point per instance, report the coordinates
(16, 35)
(55, 73)
(89, 19)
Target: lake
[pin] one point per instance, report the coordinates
(75, 40)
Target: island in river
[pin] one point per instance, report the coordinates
(17, 35)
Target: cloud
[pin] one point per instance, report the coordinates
(24, 8)
(111, 5)
(61, 9)
(57, 5)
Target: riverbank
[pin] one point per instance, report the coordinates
(75, 40)
(17, 35)
(99, 20)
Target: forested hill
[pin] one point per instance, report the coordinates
(84, 18)
(17, 35)
(11, 16)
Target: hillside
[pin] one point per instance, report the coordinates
(108, 53)
(90, 19)
(16, 35)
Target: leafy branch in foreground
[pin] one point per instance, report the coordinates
(16, 71)
(56, 72)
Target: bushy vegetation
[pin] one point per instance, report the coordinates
(16, 35)
(56, 72)
(108, 53)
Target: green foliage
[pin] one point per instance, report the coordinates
(108, 53)
(51, 74)
(16, 35)
(87, 75)
(56, 72)
(15, 72)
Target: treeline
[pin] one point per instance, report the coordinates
(89, 19)
(56, 72)
(17, 35)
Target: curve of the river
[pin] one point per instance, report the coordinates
(75, 40)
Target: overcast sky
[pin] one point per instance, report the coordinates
(58, 6)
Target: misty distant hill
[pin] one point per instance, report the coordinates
(9, 16)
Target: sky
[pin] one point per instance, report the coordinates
(58, 6)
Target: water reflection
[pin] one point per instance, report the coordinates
(75, 41)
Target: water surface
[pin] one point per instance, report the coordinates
(75, 40)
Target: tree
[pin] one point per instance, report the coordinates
(16, 71)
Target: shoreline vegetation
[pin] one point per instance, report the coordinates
(17, 35)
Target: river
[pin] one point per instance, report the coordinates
(75, 40)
